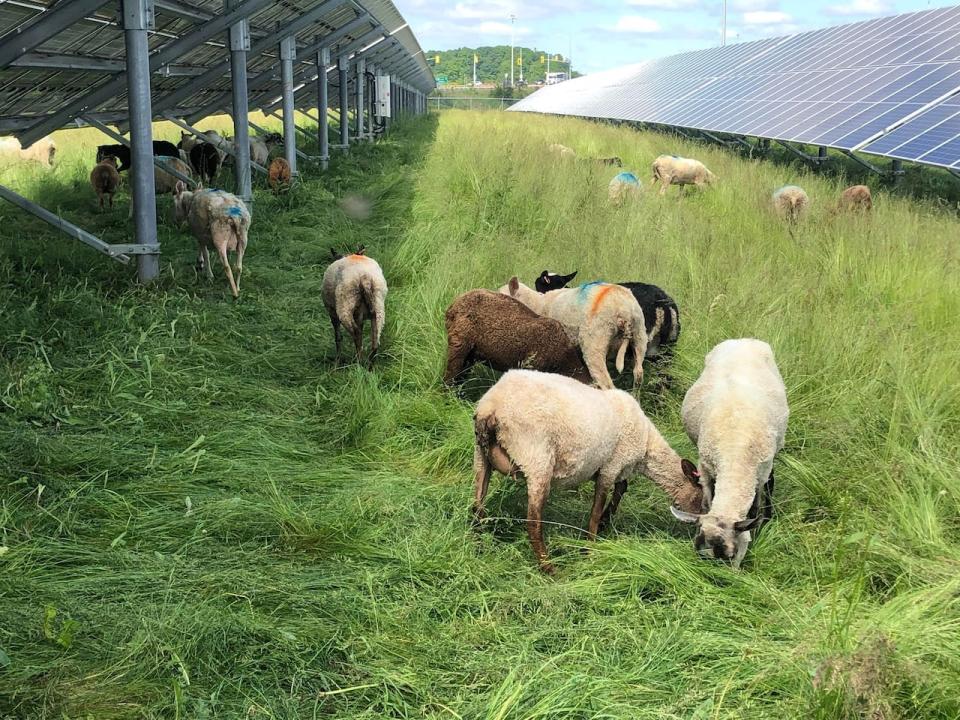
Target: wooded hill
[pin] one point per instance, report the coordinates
(493, 63)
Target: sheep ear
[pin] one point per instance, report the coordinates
(690, 471)
(748, 524)
(179, 187)
(685, 517)
(568, 278)
(514, 285)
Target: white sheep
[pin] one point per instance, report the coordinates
(217, 219)
(736, 413)
(673, 170)
(560, 433)
(43, 151)
(790, 202)
(562, 151)
(595, 315)
(355, 289)
(624, 185)
(261, 146)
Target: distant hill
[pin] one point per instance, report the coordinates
(493, 63)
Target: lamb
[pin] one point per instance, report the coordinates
(354, 289)
(624, 185)
(164, 182)
(736, 413)
(188, 141)
(790, 202)
(43, 151)
(562, 151)
(661, 315)
(219, 220)
(594, 315)
(161, 148)
(278, 174)
(105, 178)
(673, 170)
(260, 147)
(205, 159)
(560, 433)
(487, 327)
(855, 198)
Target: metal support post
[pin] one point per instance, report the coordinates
(897, 171)
(288, 52)
(861, 161)
(821, 155)
(798, 153)
(137, 20)
(343, 65)
(323, 103)
(361, 65)
(239, 45)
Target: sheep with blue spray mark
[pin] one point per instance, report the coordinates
(790, 202)
(624, 185)
(219, 220)
(599, 317)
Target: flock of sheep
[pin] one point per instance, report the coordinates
(555, 419)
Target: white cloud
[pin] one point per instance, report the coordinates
(747, 5)
(490, 27)
(667, 4)
(860, 7)
(766, 17)
(636, 24)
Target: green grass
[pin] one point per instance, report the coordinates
(201, 518)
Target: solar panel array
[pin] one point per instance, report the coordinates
(883, 86)
(57, 80)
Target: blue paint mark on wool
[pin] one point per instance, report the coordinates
(627, 177)
(234, 211)
(780, 191)
(583, 292)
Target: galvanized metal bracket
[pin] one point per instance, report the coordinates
(138, 15)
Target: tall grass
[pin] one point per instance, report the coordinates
(201, 518)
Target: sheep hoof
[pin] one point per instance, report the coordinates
(547, 568)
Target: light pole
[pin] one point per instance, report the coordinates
(513, 19)
(723, 40)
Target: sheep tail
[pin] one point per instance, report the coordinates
(485, 432)
(622, 352)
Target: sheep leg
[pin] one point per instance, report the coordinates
(536, 499)
(595, 357)
(206, 262)
(357, 332)
(600, 488)
(482, 469)
(225, 261)
(240, 248)
(457, 354)
(335, 321)
(618, 490)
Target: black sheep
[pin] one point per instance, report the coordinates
(162, 148)
(205, 160)
(649, 297)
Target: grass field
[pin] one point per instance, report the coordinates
(201, 518)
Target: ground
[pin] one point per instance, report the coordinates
(201, 517)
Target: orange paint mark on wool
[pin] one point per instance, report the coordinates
(356, 258)
(598, 298)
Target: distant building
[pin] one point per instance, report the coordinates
(556, 77)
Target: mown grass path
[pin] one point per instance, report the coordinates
(201, 518)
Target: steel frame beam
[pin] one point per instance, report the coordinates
(288, 53)
(323, 102)
(360, 66)
(239, 43)
(343, 67)
(169, 52)
(296, 129)
(20, 41)
(157, 160)
(861, 161)
(799, 153)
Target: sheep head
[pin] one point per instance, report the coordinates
(182, 201)
(551, 281)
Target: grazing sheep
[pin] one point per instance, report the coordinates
(161, 148)
(736, 413)
(205, 160)
(790, 202)
(594, 315)
(855, 198)
(560, 433)
(661, 316)
(278, 174)
(164, 182)
(219, 220)
(354, 289)
(105, 178)
(562, 151)
(187, 141)
(612, 160)
(622, 186)
(487, 327)
(43, 151)
(260, 147)
(673, 170)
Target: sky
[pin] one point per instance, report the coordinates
(602, 34)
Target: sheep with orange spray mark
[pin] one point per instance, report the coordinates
(354, 289)
(597, 316)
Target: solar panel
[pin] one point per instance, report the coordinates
(839, 87)
(931, 137)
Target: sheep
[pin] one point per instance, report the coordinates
(736, 413)
(484, 326)
(43, 151)
(260, 147)
(562, 151)
(560, 433)
(105, 178)
(673, 170)
(622, 186)
(219, 220)
(612, 160)
(594, 315)
(790, 202)
(855, 198)
(278, 174)
(164, 182)
(188, 141)
(661, 315)
(354, 289)
(205, 159)
(161, 148)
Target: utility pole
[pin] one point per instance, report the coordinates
(474, 69)
(723, 39)
(521, 66)
(513, 19)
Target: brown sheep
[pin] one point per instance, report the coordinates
(856, 199)
(279, 174)
(105, 178)
(487, 327)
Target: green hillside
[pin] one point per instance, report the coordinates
(494, 63)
